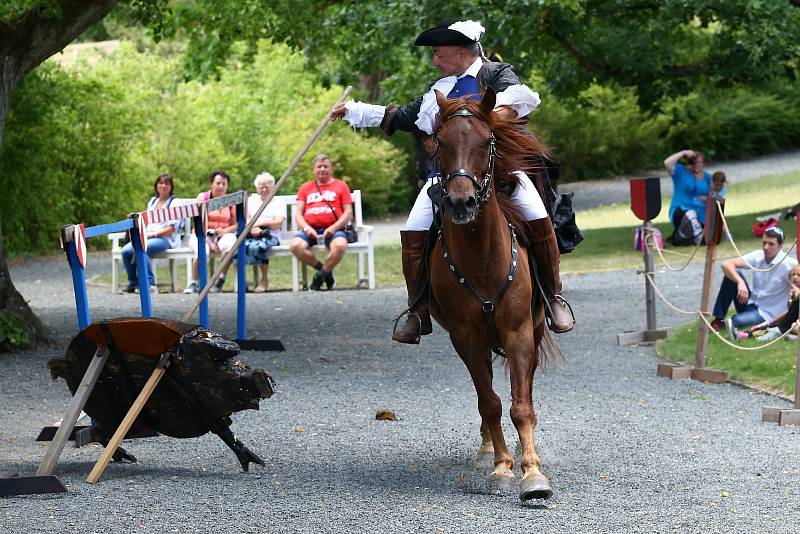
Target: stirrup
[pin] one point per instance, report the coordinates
(410, 313)
(548, 317)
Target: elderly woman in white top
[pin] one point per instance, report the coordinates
(261, 237)
(160, 236)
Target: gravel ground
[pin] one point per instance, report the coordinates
(626, 451)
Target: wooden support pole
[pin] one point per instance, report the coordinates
(652, 333)
(797, 361)
(701, 350)
(127, 422)
(713, 235)
(649, 292)
(797, 378)
(73, 411)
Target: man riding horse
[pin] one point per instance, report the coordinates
(458, 55)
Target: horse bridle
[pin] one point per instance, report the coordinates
(483, 190)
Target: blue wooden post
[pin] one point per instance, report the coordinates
(202, 267)
(141, 269)
(241, 275)
(78, 276)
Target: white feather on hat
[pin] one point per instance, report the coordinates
(470, 28)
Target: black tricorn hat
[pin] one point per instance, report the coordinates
(444, 33)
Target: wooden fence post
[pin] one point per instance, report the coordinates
(789, 416)
(713, 235)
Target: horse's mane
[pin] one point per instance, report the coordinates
(517, 150)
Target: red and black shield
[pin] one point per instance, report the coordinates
(646, 197)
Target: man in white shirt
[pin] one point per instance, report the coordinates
(768, 297)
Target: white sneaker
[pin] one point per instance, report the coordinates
(192, 288)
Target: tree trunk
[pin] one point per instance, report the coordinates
(11, 302)
(24, 44)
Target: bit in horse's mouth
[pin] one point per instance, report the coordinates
(462, 219)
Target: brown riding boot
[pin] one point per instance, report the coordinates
(418, 319)
(544, 248)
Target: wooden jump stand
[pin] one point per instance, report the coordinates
(646, 205)
(713, 235)
(788, 416)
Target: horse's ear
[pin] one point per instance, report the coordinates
(440, 98)
(488, 100)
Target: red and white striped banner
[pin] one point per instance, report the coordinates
(171, 214)
(142, 224)
(80, 244)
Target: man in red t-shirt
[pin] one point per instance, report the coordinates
(324, 207)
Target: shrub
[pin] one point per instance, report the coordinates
(601, 133)
(84, 143)
(735, 123)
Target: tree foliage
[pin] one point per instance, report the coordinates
(658, 46)
(91, 138)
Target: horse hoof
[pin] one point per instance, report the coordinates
(535, 487)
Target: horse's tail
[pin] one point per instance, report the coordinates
(550, 353)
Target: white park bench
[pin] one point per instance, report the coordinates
(363, 247)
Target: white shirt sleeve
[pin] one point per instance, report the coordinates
(520, 98)
(361, 115)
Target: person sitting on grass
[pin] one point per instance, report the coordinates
(690, 188)
(324, 207)
(767, 299)
(221, 231)
(718, 187)
(160, 236)
(785, 322)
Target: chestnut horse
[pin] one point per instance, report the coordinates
(481, 290)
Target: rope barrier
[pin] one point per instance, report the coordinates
(649, 235)
(703, 314)
(664, 299)
(733, 243)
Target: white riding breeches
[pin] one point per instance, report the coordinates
(525, 197)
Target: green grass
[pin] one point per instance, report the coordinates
(772, 368)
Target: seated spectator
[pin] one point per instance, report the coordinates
(690, 186)
(261, 237)
(718, 187)
(324, 207)
(782, 323)
(160, 236)
(767, 299)
(220, 233)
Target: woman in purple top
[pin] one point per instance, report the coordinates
(690, 186)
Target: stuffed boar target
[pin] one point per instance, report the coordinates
(204, 383)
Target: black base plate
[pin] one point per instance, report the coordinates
(10, 487)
